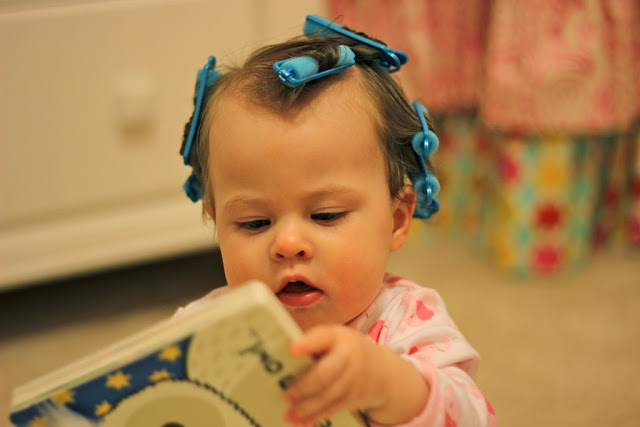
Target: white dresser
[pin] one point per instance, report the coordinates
(93, 99)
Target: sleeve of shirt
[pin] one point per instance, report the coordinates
(416, 325)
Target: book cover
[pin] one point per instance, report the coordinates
(224, 363)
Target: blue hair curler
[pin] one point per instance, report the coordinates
(426, 185)
(424, 141)
(192, 188)
(206, 77)
(390, 59)
(302, 69)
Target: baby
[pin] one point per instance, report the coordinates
(312, 163)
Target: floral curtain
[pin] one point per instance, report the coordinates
(537, 105)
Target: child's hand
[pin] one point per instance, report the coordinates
(355, 374)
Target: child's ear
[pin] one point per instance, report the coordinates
(403, 208)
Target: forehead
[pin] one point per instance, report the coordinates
(343, 105)
(330, 140)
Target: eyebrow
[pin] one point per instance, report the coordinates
(241, 201)
(331, 190)
(336, 189)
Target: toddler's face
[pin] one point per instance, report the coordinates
(302, 203)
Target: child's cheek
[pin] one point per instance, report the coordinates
(240, 266)
(351, 263)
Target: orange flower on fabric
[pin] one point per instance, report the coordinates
(547, 216)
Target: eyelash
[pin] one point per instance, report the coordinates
(332, 216)
(254, 225)
(321, 217)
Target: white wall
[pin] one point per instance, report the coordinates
(93, 99)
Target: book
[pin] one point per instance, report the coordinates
(225, 362)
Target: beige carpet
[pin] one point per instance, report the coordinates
(563, 351)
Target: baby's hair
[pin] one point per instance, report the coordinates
(257, 83)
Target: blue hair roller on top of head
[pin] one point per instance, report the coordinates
(206, 77)
(426, 185)
(302, 69)
(390, 59)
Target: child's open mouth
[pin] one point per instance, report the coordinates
(298, 294)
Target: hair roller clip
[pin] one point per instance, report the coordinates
(205, 78)
(192, 188)
(302, 69)
(422, 212)
(425, 141)
(426, 185)
(390, 59)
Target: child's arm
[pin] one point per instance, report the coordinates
(353, 373)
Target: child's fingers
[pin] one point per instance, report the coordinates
(325, 402)
(322, 398)
(322, 375)
(314, 410)
(315, 342)
(337, 380)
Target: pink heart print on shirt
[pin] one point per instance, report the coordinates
(423, 312)
(374, 331)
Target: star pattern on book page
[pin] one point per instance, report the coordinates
(64, 396)
(118, 380)
(170, 353)
(98, 397)
(161, 375)
(103, 408)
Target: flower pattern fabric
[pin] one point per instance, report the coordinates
(535, 105)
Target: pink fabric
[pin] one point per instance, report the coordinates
(538, 66)
(566, 66)
(413, 321)
(444, 40)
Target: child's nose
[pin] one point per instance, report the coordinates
(290, 243)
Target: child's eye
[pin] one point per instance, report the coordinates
(327, 216)
(255, 224)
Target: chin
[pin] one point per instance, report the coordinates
(308, 322)
(304, 322)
